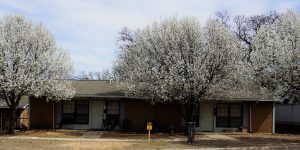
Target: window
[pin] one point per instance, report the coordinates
(82, 112)
(112, 112)
(68, 111)
(222, 115)
(235, 115)
(229, 115)
(75, 112)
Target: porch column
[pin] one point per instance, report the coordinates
(0, 120)
(250, 118)
(53, 115)
(273, 130)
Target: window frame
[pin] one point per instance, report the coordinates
(75, 113)
(115, 115)
(228, 118)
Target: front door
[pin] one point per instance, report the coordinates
(97, 113)
(206, 116)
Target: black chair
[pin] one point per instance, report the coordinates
(104, 125)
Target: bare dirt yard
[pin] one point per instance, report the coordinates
(99, 140)
(34, 144)
(50, 133)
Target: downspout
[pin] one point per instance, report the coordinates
(214, 116)
(273, 129)
(53, 124)
(21, 120)
(250, 119)
(250, 116)
(292, 117)
(28, 113)
(0, 120)
(90, 114)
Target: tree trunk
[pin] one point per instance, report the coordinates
(12, 121)
(14, 102)
(189, 109)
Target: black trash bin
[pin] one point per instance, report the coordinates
(191, 131)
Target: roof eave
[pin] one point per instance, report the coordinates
(243, 99)
(106, 96)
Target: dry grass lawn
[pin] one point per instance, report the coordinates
(34, 144)
(161, 141)
(61, 133)
(29, 144)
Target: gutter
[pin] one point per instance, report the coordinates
(108, 96)
(242, 99)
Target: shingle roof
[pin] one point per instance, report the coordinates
(96, 88)
(253, 95)
(23, 103)
(106, 89)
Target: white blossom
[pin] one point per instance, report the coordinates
(31, 63)
(178, 60)
(276, 59)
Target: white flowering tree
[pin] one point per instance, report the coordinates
(31, 64)
(176, 60)
(276, 58)
(246, 27)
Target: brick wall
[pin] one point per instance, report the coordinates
(262, 117)
(24, 117)
(41, 114)
(138, 112)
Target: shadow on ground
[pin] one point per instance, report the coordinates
(242, 142)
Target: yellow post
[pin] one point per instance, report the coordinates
(148, 136)
(149, 128)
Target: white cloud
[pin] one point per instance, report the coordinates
(89, 28)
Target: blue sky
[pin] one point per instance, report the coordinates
(89, 28)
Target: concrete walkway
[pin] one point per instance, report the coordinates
(92, 134)
(219, 137)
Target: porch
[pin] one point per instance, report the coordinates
(233, 116)
(132, 115)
